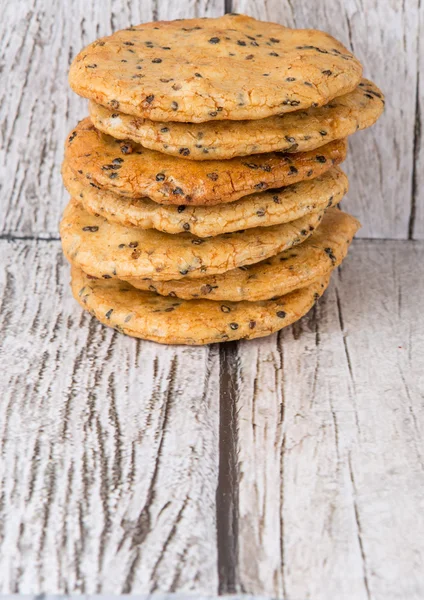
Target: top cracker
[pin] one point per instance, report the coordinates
(195, 70)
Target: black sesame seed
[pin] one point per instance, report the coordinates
(328, 72)
(274, 40)
(72, 136)
(249, 57)
(290, 139)
(369, 96)
(169, 309)
(225, 309)
(126, 149)
(133, 244)
(123, 60)
(212, 176)
(108, 314)
(181, 208)
(113, 175)
(178, 191)
(186, 226)
(241, 42)
(321, 159)
(174, 105)
(114, 115)
(93, 66)
(273, 54)
(323, 133)
(121, 246)
(234, 326)
(303, 232)
(92, 228)
(214, 40)
(197, 241)
(290, 78)
(198, 75)
(254, 44)
(156, 60)
(260, 212)
(166, 47)
(184, 151)
(128, 43)
(281, 314)
(160, 177)
(184, 271)
(117, 161)
(213, 113)
(107, 276)
(150, 98)
(111, 167)
(276, 199)
(114, 104)
(164, 130)
(261, 186)
(293, 170)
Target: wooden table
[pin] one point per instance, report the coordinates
(289, 467)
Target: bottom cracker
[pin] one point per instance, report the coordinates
(194, 322)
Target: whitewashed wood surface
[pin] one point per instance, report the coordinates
(39, 38)
(290, 467)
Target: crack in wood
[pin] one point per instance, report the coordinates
(228, 6)
(228, 477)
(359, 529)
(416, 151)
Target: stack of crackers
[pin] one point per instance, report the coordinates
(205, 181)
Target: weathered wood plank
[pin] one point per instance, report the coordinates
(385, 37)
(330, 429)
(38, 39)
(109, 446)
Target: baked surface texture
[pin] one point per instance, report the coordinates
(257, 210)
(109, 250)
(133, 171)
(172, 321)
(289, 270)
(298, 131)
(196, 70)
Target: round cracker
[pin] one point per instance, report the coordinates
(276, 276)
(110, 250)
(299, 131)
(195, 70)
(258, 210)
(195, 322)
(134, 171)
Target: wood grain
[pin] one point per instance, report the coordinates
(109, 446)
(385, 37)
(330, 429)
